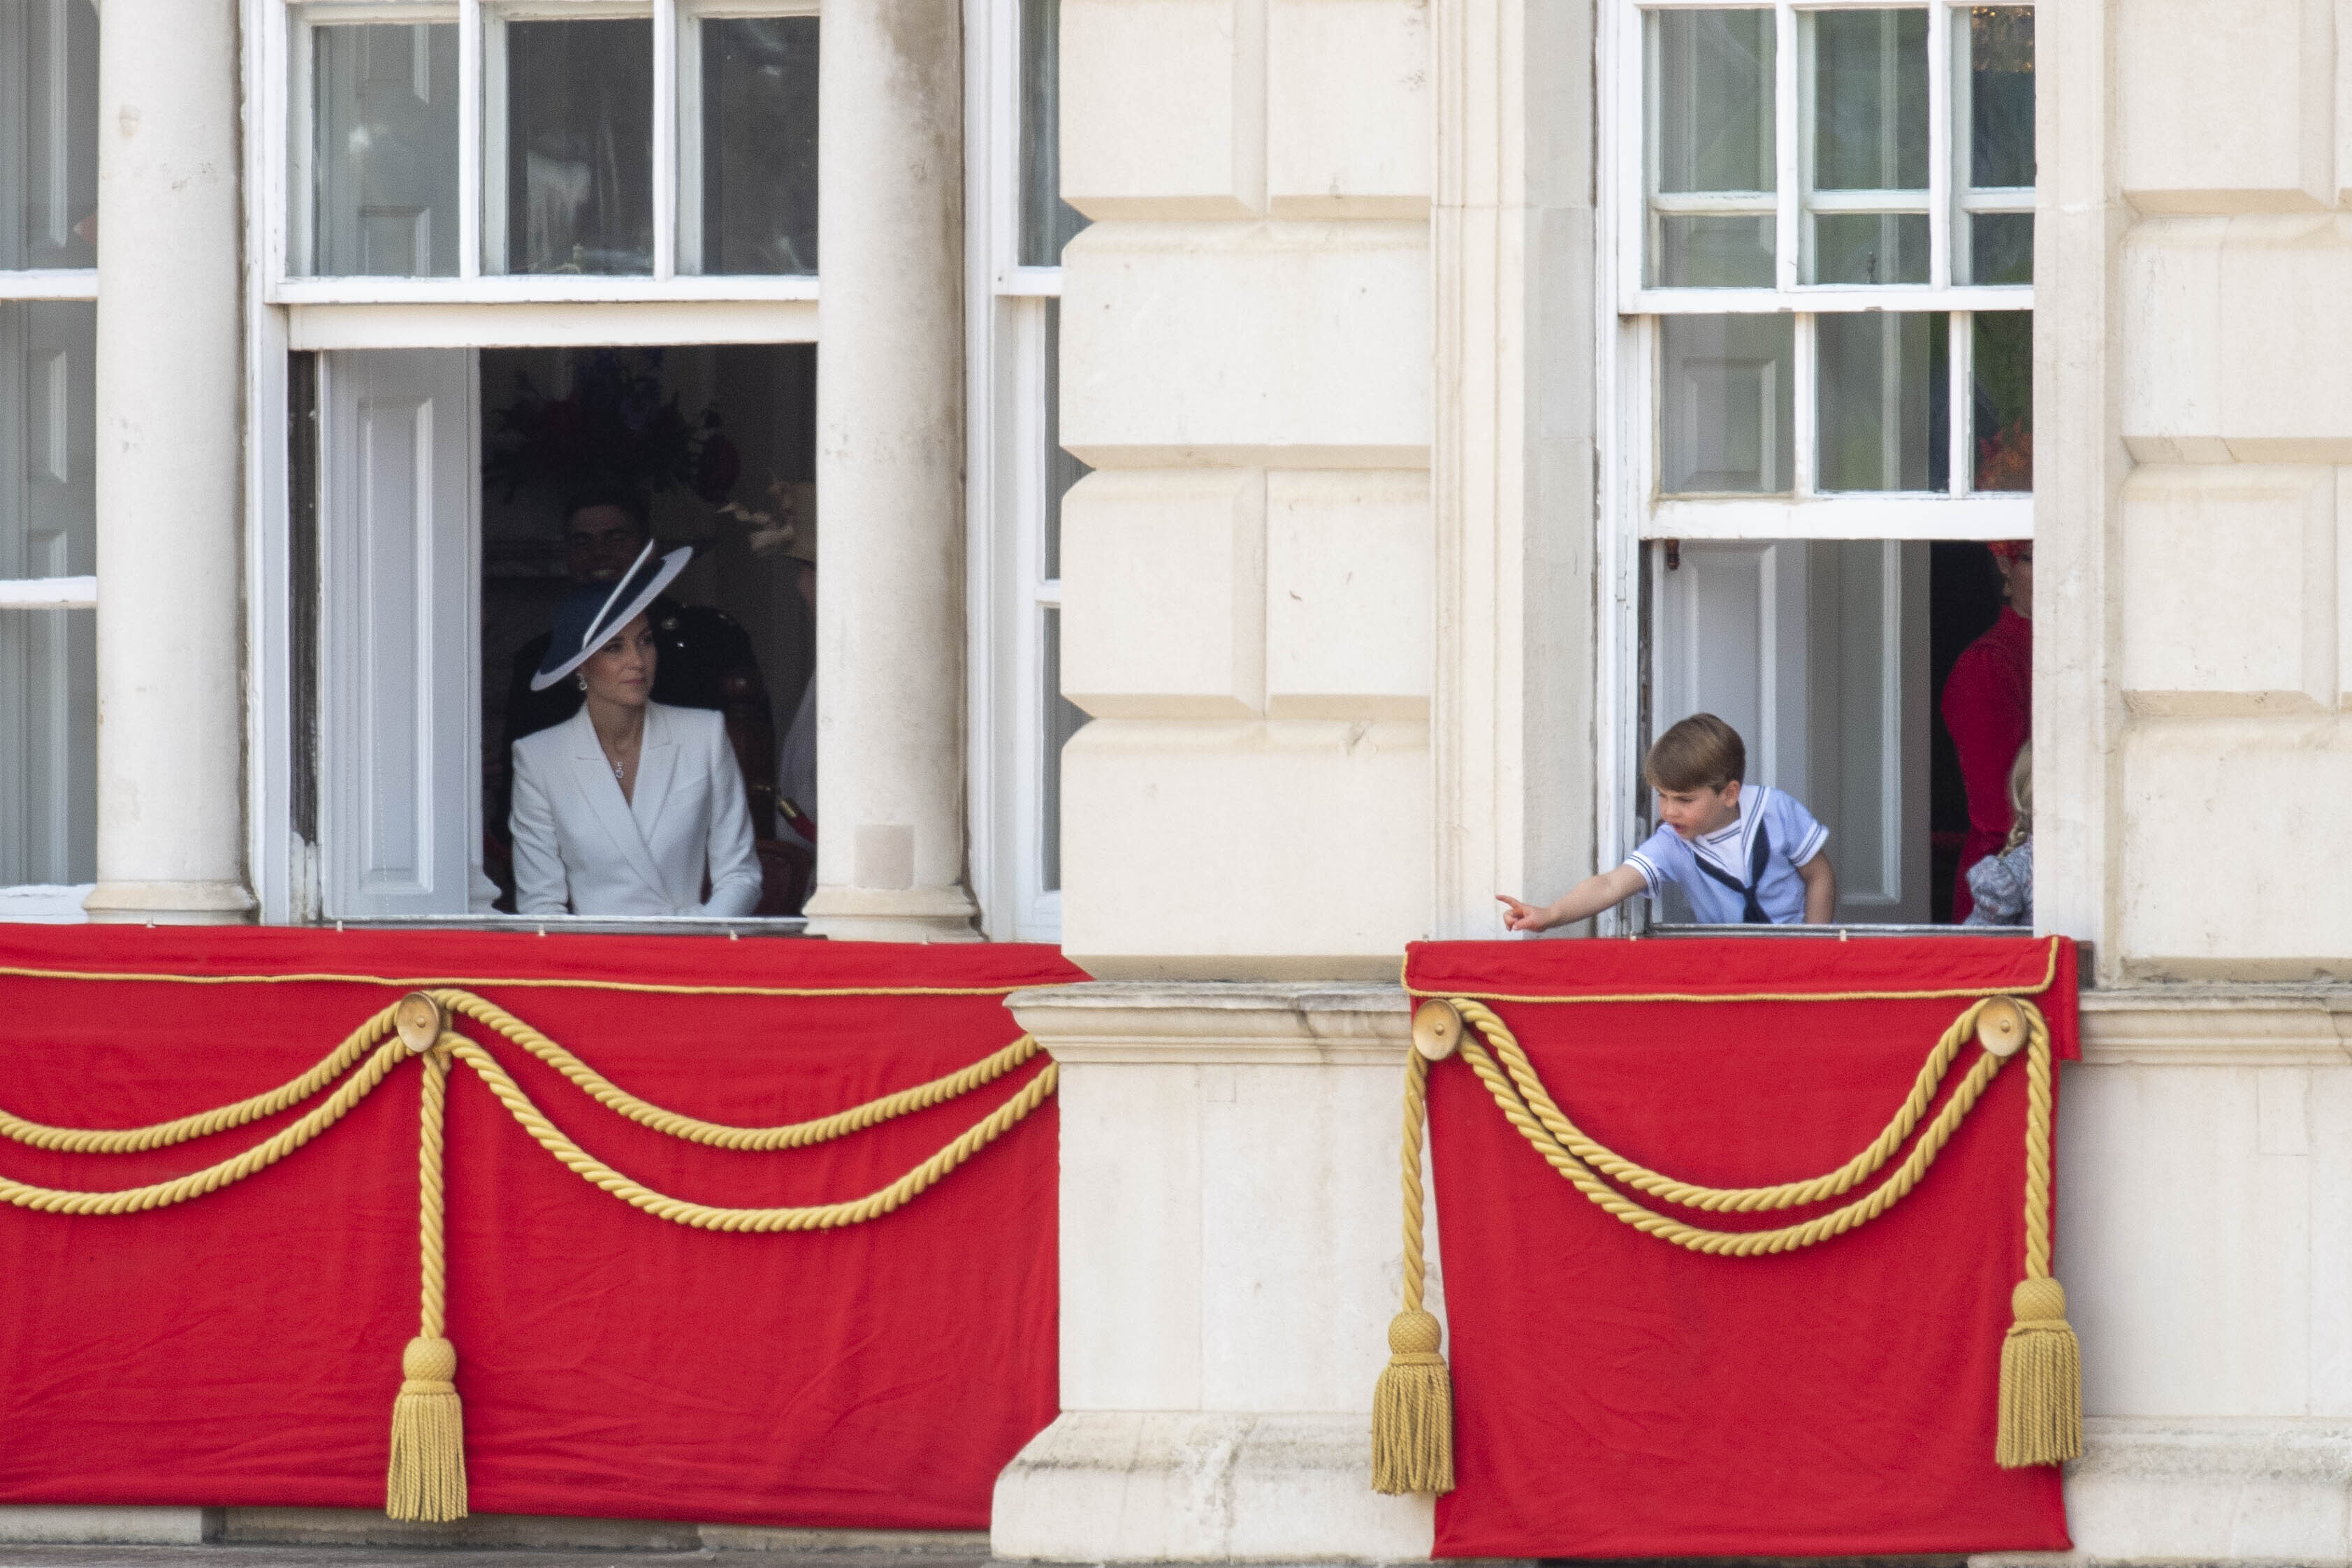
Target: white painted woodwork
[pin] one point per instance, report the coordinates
(400, 729)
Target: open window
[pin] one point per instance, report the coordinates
(1822, 363)
(462, 494)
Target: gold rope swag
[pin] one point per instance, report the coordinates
(2040, 1364)
(426, 1476)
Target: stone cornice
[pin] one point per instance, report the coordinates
(1342, 1024)
(2219, 1026)
(1259, 1023)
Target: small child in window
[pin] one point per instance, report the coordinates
(1742, 857)
(2002, 884)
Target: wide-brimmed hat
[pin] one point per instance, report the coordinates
(587, 616)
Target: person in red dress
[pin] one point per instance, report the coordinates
(1989, 709)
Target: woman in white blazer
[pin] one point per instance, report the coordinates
(630, 807)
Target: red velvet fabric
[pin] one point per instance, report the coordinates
(245, 1348)
(1988, 706)
(1618, 1397)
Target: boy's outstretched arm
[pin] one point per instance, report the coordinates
(1820, 891)
(1582, 901)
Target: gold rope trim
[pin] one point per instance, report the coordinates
(162, 1135)
(2049, 978)
(2041, 1376)
(212, 1178)
(425, 1479)
(719, 1134)
(708, 1216)
(638, 988)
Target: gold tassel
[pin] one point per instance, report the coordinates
(427, 1479)
(2040, 1380)
(1412, 1411)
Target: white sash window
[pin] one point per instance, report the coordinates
(48, 586)
(1820, 269)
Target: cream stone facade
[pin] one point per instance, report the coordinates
(1349, 608)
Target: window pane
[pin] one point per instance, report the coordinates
(579, 116)
(2002, 395)
(1725, 407)
(48, 690)
(49, 401)
(759, 147)
(2000, 41)
(1048, 222)
(1061, 470)
(1884, 388)
(2001, 248)
(1714, 119)
(1062, 718)
(1870, 247)
(48, 134)
(384, 154)
(1870, 100)
(48, 747)
(1715, 252)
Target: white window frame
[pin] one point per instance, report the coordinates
(473, 311)
(279, 92)
(1009, 593)
(24, 286)
(1634, 514)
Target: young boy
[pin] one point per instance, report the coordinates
(1741, 857)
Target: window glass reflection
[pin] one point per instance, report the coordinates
(2001, 248)
(1705, 252)
(755, 181)
(2000, 95)
(1048, 222)
(1870, 100)
(48, 665)
(1870, 248)
(1883, 402)
(1714, 125)
(579, 156)
(2002, 372)
(383, 162)
(48, 133)
(1725, 404)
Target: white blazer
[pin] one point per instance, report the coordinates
(580, 845)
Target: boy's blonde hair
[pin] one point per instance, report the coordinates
(1700, 752)
(2021, 798)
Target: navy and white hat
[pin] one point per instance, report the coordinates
(587, 616)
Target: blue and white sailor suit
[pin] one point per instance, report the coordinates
(1744, 873)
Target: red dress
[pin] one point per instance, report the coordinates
(1989, 709)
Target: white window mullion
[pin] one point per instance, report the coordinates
(472, 192)
(1787, 151)
(1940, 146)
(1962, 405)
(689, 121)
(665, 66)
(1803, 407)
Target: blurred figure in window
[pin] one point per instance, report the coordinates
(2002, 884)
(1988, 708)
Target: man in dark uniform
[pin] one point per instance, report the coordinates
(706, 658)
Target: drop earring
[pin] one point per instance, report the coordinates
(580, 681)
